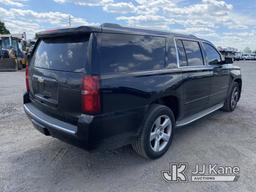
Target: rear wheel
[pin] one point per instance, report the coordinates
(157, 132)
(232, 99)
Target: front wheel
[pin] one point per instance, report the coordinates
(157, 132)
(232, 99)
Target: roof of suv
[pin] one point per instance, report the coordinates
(109, 27)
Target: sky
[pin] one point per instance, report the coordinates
(227, 23)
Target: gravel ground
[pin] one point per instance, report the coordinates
(30, 161)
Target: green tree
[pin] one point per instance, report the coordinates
(3, 29)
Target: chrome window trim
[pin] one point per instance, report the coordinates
(177, 53)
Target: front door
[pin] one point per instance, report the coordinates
(220, 77)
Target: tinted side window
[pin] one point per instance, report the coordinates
(182, 54)
(171, 55)
(121, 53)
(193, 52)
(212, 56)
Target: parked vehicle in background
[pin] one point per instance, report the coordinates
(253, 56)
(245, 56)
(238, 56)
(228, 52)
(108, 86)
(16, 57)
(248, 56)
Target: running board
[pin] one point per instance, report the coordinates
(199, 115)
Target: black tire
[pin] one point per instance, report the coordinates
(143, 144)
(229, 106)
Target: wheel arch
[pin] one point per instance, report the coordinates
(170, 101)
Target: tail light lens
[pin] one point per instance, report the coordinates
(90, 94)
(27, 82)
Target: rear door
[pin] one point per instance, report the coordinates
(56, 70)
(196, 77)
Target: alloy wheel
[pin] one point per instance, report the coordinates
(234, 97)
(160, 133)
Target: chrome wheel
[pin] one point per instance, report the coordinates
(160, 133)
(234, 97)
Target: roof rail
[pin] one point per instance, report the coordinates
(110, 25)
(192, 36)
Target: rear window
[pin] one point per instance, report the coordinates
(62, 53)
(121, 53)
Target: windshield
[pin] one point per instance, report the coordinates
(5, 43)
(62, 53)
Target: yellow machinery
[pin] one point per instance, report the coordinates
(11, 54)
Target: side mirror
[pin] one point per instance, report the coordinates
(228, 60)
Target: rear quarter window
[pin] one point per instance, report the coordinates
(120, 53)
(193, 52)
(62, 53)
(182, 54)
(171, 55)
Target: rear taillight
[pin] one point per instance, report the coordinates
(90, 94)
(27, 82)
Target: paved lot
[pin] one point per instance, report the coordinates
(30, 161)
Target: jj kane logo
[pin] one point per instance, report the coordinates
(178, 172)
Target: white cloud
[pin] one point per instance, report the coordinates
(54, 18)
(147, 21)
(193, 30)
(205, 18)
(121, 7)
(17, 3)
(164, 13)
(86, 2)
(237, 40)
(25, 20)
(107, 5)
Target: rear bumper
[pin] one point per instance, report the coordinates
(91, 132)
(46, 121)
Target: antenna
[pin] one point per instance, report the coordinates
(69, 20)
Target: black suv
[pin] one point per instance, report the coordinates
(108, 86)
